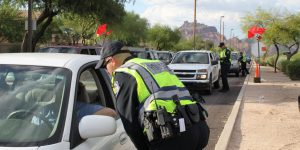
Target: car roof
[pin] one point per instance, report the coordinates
(163, 52)
(64, 60)
(206, 51)
(72, 46)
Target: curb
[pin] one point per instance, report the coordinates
(228, 128)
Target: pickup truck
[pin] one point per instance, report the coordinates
(197, 69)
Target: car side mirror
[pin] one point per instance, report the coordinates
(214, 62)
(96, 126)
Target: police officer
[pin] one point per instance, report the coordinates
(225, 66)
(145, 87)
(243, 60)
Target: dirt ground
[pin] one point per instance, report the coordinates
(269, 118)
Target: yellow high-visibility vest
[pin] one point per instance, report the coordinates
(156, 85)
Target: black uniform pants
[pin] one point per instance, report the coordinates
(244, 68)
(224, 72)
(196, 138)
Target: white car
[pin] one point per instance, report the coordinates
(197, 69)
(38, 104)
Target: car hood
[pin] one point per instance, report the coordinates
(188, 66)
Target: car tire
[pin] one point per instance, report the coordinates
(217, 83)
(210, 85)
(237, 74)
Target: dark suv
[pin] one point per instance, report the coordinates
(88, 50)
(145, 54)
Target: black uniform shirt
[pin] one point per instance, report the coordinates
(128, 109)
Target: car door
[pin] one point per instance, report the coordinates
(214, 67)
(99, 92)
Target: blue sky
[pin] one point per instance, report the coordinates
(174, 12)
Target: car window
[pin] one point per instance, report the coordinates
(92, 52)
(35, 97)
(84, 51)
(90, 98)
(191, 57)
(141, 54)
(234, 56)
(58, 50)
(164, 56)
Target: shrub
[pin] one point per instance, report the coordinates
(283, 66)
(271, 60)
(293, 69)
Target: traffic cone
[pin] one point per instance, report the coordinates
(257, 77)
(257, 71)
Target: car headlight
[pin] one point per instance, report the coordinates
(201, 76)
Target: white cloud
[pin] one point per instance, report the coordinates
(175, 12)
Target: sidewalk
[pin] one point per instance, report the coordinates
(268, 117)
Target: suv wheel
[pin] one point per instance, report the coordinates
(217, 83)
(237, 74)
(210, 85)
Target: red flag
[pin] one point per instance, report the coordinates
(101, 29)
(260, 30)
(108, 32)
(255, 30)
(250, 35)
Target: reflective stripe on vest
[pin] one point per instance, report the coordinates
(146, 76)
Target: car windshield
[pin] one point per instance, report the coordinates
(234, 56)
(58, 50)
(31, 104)
(191, 57)
(164, 56)
(141, 54)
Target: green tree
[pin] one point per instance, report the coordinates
(271, 20)
(11, 24)
(163, 37)
(132, 30)
(76, 27)
(188, 44)
(290, 34)
(104, 10)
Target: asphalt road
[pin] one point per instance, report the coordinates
(219, 106)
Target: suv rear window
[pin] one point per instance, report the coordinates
(58, 50)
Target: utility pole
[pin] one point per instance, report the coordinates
(230, 38)
(221, 28)
(29, 48)
(233, 41)
(194, 29)
(223, 33)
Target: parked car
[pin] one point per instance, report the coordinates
(37, 111)
(144, 53)
(88, 50)
(235, 64)
(165, 56)
(197, 69)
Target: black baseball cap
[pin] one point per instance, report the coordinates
(221, 44)
(111, 49)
